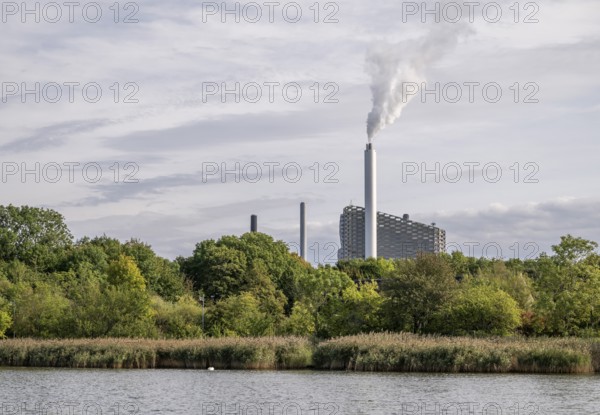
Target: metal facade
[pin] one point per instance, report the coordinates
(397, 237)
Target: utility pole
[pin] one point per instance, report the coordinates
(14, 318)
(202, 301)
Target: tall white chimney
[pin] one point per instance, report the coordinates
(303, 242)
(370, 202)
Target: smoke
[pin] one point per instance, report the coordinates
(392, 66)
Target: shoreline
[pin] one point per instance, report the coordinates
(378, 352)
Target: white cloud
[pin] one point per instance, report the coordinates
(171, 131)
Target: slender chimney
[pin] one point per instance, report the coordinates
(303, 241)
(253, 223)
(370, 202)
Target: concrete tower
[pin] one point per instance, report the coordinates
(303, 241)
(370, 202)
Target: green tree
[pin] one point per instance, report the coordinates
(358, 310)
(572, 250)
(366, 270)
(415, 290)
(179, 320)
(111, 305)
(516, 284)
(86, 314)
(41, 311)
(240, 315)
(87, 252)
(568, 289)
(5, 322)
(38, 237)
(219, 271)
(127, 313)
(6, 304)
(319, 288)
(124, 272)
(224, 267)
(271, 300)
(301, 321)
(479, 309)
(162, 275)
(568, 299)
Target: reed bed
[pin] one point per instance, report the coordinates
(223, 353)
(403, 352)
(382, 352)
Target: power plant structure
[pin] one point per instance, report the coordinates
(370, 202)
(366, 233)
(397, 237)
(303, 247)
(303, 239)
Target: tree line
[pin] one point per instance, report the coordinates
(52, 286)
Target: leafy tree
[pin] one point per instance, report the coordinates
(40, 311)
(366, 270)
(113, 305)
(126, 313)
(317, 289)
(572, 250)
(275, 256)
(568, 289)
(569, 299)
(179, 320)
(87, 252)
(515, 284)
(223, 268)
(162, 275)
(112, 247)
(415, 290)
(218, 271)
(5, 322)
(124, 272)
(86, 318)
(240, 315)
(38, 237)
(358, 310)
(6, 306)
(272, 301)
(478, 309)
(301, 321)
(16, 271)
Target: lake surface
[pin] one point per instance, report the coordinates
(73, 392)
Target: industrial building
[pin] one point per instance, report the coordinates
(397, 237)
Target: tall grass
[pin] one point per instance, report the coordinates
(410, 353)
(225, 353)
(373, 352)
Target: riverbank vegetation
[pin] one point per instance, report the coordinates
(53, 287)
(381, 352)
(406, 352)
(223, 353)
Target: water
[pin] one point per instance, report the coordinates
(74, 392)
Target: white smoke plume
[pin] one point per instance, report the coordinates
(391, 66)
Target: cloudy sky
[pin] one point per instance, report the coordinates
(139, 131)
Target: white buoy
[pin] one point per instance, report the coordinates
(211, 368)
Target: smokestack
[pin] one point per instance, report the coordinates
(303, 242)
(253, 223)
(370, 202)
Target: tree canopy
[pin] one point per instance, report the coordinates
(251, 285)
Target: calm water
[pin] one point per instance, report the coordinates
(66, 391)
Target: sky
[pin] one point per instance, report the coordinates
(173, 122)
